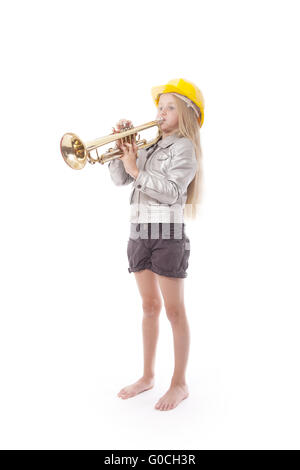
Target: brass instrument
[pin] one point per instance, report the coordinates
(76, 153)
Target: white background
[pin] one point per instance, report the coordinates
(71, 313)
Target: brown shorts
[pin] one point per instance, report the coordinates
(163, 248)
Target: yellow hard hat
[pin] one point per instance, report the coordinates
(183, 87)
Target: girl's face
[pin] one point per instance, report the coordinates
(168, 111)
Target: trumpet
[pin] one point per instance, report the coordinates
(76, 153)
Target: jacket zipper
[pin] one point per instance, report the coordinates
(146, 160)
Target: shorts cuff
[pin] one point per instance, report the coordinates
(139, 268)
(165, 273)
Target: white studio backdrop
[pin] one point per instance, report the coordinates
(71, 317)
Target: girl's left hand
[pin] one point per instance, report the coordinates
(129, 158)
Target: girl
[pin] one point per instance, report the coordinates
(166, 180)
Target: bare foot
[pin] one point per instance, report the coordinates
(172, 397)
(140, 386)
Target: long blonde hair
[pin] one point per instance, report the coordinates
(188, 127)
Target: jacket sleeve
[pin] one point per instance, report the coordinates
(118, 173)
(181, 171)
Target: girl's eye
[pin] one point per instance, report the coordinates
(171, 107)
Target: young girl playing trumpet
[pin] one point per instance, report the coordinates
(166, 183)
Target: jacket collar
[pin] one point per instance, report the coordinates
(167, 141)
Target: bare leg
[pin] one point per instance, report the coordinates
(173, 293)
(149, 289)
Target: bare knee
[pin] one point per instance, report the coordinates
(152, 307)
(175, 312)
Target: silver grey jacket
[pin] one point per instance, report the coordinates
(165, 170)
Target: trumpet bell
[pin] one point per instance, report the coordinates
(73, 151)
